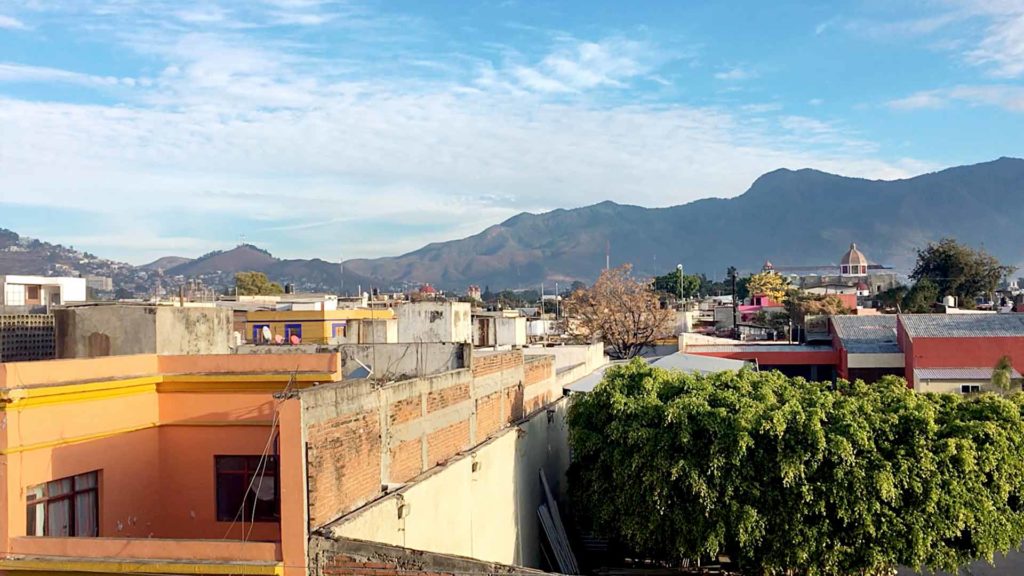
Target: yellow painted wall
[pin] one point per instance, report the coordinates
(317, 325)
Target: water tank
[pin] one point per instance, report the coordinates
(949, 302)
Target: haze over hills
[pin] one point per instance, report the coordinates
(801, 217)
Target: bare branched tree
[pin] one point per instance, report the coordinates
(620, 311)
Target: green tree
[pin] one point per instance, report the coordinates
(794, 477)
(921, 297)
(669, 284)
(892, 298)
(255, 284)
(1002, 374)
(958, 270)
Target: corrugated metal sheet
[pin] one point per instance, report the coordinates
(867, 334)
(956, 373)
(963, 325)
(760, 348)
(697, 363)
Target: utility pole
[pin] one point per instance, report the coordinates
(735, 304)
(679, 268)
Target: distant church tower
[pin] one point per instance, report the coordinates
(853, 263)
(768, 267)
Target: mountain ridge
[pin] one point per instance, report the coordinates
(792, 217)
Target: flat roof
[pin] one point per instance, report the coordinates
(867, 334)
(695, 363)
(768, 347)
(983, 373)
(963, 325)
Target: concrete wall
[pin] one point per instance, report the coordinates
(483, 505)
(571, 362)
(885, 360)
(92, 331)
(343, 557)
(435, 322)
(510, 331)
(361, 436)
(390, 361)
(193, 331)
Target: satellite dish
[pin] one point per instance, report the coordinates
(267, 335)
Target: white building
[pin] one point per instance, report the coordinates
(435, 322)
(502, 329)
(34, 291)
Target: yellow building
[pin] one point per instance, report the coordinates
(354, 326)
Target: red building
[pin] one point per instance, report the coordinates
(934, 352)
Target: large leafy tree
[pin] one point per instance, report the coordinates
(669, 284)
(255, 284)
(959, 270)
(769, 284)
(794, 477)
(620, 311)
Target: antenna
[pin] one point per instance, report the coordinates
(607, 254)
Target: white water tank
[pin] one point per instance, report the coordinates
(949, 302)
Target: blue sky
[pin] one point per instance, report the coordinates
(321, 128)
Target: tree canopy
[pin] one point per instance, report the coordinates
(794, 477)
(800, 305)
(958, 270)
(255, 284)
(619, 310)
(769, 284)
(669, 284)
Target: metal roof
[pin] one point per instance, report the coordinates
(963, 325)
(867, 334)
(768, 347)
(697, 363)
(690, 363)
(957, 374)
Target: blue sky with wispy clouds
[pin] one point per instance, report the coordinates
(321, 128)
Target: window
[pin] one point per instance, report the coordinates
(65, 507)
(970, 388)
(292, 330)
(339, 329)
(245, 488)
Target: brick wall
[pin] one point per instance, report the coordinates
(489, 415)
(539, 368)
(425, 421)
(343, 464)
(497, 362)
(446, 397)
(406, 460)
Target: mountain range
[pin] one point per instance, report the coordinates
(791, 217)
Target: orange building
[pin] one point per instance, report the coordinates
(262, 464)
(149, 464)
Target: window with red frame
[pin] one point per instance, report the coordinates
(66, 507)
(247, 489)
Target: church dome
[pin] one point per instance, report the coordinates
(853, 263)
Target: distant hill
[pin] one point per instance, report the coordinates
(312, 274)
(165, 263)
(791, 217)
(801, 217)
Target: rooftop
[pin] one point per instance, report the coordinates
(963, 325)
(766, 347)
(867, 334)
(957, 374)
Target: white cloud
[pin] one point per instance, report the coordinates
(17, 73)
(921, 100)
(815, 101)
(1000, 95)
(234, 126)
(11, 23)
(577, 66)
(736, 74)
(1002, 48)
